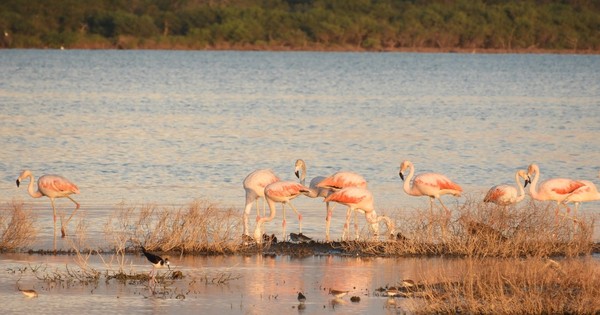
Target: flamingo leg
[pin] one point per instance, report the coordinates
(63, 226)
(283, 224)
(54, 218)
(299, 216)
(264, 206)
(258, 209)
(347, 223)
(444, 206)
(446, 218)
(355, 225)
(328, 221)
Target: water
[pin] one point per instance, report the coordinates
(170, 127)
(261, 284)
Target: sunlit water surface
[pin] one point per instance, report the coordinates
(170, 127)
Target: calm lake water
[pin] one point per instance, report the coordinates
(169, 127)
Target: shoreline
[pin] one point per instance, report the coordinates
(428, 50)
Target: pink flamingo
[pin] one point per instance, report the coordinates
(337, 181)
(432, 185)
(360, 199)
(556, 189)
(343, 179)
(51, 186)
(254, 185)
(314, 191)
(505, 195)
(585, 193)
(281, 192)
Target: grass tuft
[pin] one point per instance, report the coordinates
(16, 226)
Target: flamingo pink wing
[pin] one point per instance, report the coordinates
(494, 194)
(444, 183)
(59, 184)
(568, 188)
(344, 197)
(284, 189)
(340, 180)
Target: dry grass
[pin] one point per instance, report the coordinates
(16, 226)
(484, 230)
(512, 286)
(200, 227)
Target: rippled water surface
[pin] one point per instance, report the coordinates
(169, 127)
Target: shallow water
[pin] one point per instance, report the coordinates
(259, 284)
(169, 127)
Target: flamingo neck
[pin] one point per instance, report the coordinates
(533, 188)
(521, 194)
(303, 174)
(30, 188)
(407, 181)
(259, 223)
(272, 211)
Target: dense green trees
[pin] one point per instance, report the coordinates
(302, 24)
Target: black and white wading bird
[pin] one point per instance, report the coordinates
(156, 261)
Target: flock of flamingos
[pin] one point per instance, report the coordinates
(350, 189)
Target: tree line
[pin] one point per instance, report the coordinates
(375, 25)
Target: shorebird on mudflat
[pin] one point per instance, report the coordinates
(299, 238)
(301, 297)
(156, 261)
(338, 293)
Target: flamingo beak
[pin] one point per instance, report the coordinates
(401, 175)
(18, 182)
(297, 174)
(527, 181)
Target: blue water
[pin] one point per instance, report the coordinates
(168, 127)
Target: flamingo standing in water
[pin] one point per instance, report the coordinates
(360, 199)
(505, 195)
(281, 192)
(556, 189)
(313, 190)
(337, 181)
(588, 192)
(51, 186)
(432, 185)
(254, 185)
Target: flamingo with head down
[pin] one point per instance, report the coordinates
(254, 185)
(505, 195)
(281, 192)
(335, 182)
(314, 191)
(360, 199)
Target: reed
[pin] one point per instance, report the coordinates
(200, 227)
(16, 226)
(483, 230)
(511, 286)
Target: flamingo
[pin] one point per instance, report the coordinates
(336, 182)
(314, 191)
(432, 185)
(556, 189)
(343, 179)
(505, 195)
(51, 186)
(585, 193)
(360, 199)
(254, 185)
(282, 192)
